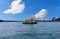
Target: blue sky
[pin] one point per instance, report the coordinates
(29, 7)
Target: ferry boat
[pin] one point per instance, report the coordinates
(30, 21)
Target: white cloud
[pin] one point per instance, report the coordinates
(41, 14)
(15, 7)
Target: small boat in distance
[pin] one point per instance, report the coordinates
(30, 21)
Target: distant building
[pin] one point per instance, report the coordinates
(58, 19)
(53, 19)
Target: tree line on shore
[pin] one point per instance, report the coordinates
(54, 19)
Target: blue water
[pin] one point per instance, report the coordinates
(17, 30)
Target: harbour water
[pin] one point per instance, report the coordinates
(41, 30)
